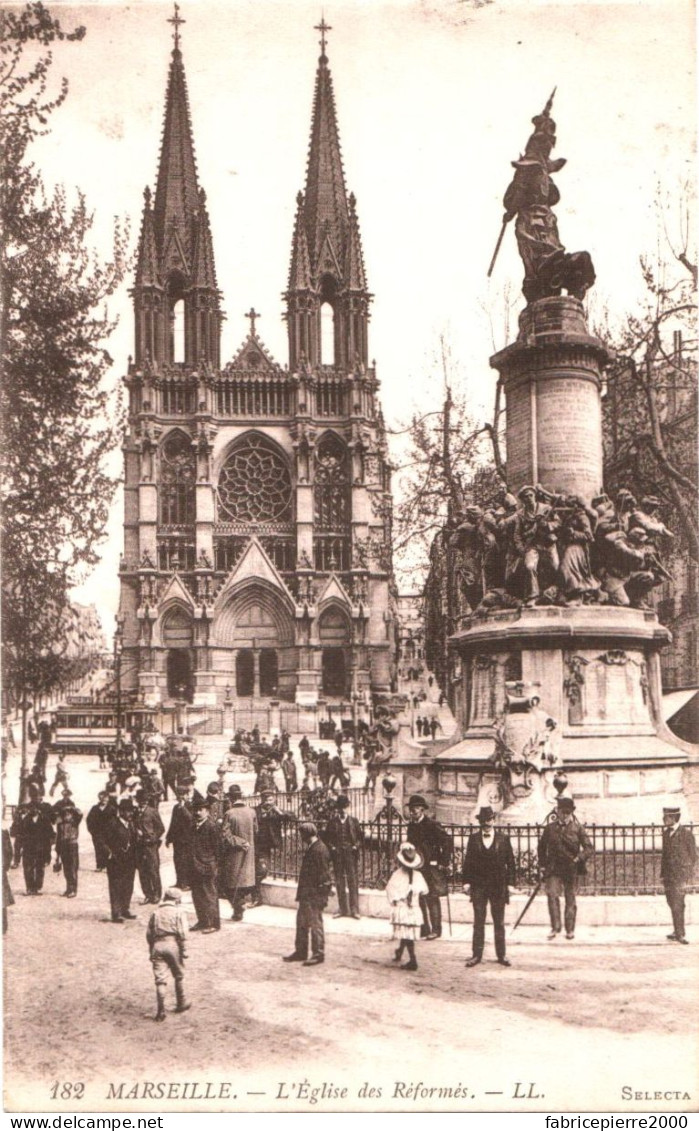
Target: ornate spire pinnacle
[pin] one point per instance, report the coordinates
(253, 315)
(325, 195)
(177, 21)
(177, 190)
(322, 27)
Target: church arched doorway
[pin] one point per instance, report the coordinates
(334, 633)
(177, 638)
(244, 673)
(180, 678)
(334, 671)
(269, 672)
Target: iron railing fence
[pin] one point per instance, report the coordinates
(625, 859)
(309, 805)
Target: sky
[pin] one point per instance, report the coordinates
(434, 100)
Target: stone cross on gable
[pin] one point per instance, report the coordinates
(253, 315)
(177, 21)
(322, 27)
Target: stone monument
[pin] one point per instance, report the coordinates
(556, 664)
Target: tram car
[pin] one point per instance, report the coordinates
(85, 727)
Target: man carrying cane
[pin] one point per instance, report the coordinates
(563, 851)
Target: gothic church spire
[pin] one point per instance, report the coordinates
(327, 265)
(176, 256)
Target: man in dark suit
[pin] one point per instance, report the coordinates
(37, 835)
(120, 842)
(676, 868)
(97, 819)
(206, 847)
(179, 835)
(150, 831)
(564, 849)
(488, 870)
(312, 894)
(435, 847)
(344, 839)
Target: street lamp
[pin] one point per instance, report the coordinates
(118, 649)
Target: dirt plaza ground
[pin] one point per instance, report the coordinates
(587, 1025)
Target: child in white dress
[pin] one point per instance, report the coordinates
(403, 890)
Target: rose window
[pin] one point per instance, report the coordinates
(254, 485)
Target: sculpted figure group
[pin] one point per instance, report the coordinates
(544, 548)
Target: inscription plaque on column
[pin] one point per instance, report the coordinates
(519, 437)
(569, 436)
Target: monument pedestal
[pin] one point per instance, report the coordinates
(596, 672)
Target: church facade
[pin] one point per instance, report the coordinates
(257, 524)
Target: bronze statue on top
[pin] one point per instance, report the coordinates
(548, 267)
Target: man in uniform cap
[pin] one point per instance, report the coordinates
(564, 849)
(488, 870)
(167, 932)
(312, 894)
(676, 868)
(435, 847)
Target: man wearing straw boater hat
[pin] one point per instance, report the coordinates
(564, 849)
(676, 868)
(488, 870)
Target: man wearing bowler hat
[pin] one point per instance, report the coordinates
(564, 849)
(344, 839)
(488, 870)
(435, 847)
(120, 841)
(676, 868)
(204, 874)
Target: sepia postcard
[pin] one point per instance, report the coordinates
(324, 215)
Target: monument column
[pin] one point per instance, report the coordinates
(551, 379)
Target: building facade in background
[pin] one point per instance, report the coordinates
(257, 560)
(411, 637)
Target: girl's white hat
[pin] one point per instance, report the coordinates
(409, 856)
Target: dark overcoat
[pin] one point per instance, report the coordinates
(315, 879)
(678, 858)
(492, 869)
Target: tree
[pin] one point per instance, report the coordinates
(447, 465)
(56, 419)
(650, 410)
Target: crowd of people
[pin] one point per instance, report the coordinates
(223, 845)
